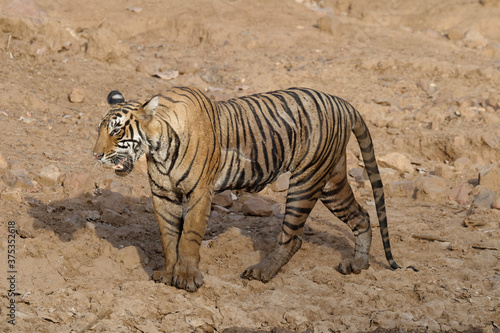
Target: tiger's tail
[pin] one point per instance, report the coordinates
(367, 152)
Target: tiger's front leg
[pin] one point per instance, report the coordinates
(186, 273)
(168, 211)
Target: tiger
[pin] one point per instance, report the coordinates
(196, 147)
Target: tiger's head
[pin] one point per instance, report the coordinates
(121, 140)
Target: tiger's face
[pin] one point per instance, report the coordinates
(120, 141)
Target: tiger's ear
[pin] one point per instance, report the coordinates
(150, 106)
(115, 97)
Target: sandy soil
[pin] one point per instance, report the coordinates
(425, 75)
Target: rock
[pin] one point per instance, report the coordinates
(402, 188)
(460, 194)
(456, 33)
(49, 176)
(220, 209)
(77, 95)
(210, 75)
(3, 163)
(224, 199)
(11, 196)
(496, 203)
(281, 184)
(396, 161)
(256, 207)
(431, 188)
(462, 163)
(17, 179)
(104, 45)
(491, 180)
(358, 174)
(112, 218)
(112, 200)
(492, 139)
(147, 67)
(78, 183)
(485, 197)
(328, 24)
(132, 257)
(475, 40)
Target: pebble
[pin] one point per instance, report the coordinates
(491, 179)
(3, 163)
(224, 199)
(11, 196)
(462, 163)
(496, 203)
(78, 183)
(460, 194)
(256, 207)
(17, 179)
(111, 217)
(220, 209)
(49, 176)
(474, 39)
(492, 138)
(131, 257)
(111, 200)
(281, 184)
(147, 67)
(396, 161)
(484, 198)
(328, 24)
(456, 33)
(77, 95)
(402, 188)
(431, 188)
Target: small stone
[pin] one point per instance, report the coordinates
(402, 188)
(328, 24)
(462, 163)
(358, 174)
(147, 67)
(485, 198)
(431, 188)
(49, 176)
(456, 33)
(224, 199)
(256, 207)
(77, 95)
(396, 161)
(78, 183)
(11, 196)
(491, 179)
(112, 200)
(460, 194)
(17, 179)
(135, 9)
(112, 218)
(220, 209)
(492, 139)
(475, 40)
(496, 203)
(282, 183)
(132, 257)
(3, 163)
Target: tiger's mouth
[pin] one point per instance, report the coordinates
(124, 166)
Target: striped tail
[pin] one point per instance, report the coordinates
(367, 152)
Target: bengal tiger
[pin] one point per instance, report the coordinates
(196, 147)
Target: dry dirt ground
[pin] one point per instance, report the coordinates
(424, 74)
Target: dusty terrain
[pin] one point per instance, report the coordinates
(425, 75)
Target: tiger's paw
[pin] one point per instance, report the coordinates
(348, 266)
(263, 272)
(187, 277)
(162, 277)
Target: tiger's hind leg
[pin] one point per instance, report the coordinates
(300, 201)
(337, 196)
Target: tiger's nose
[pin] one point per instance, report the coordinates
(98, 156)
